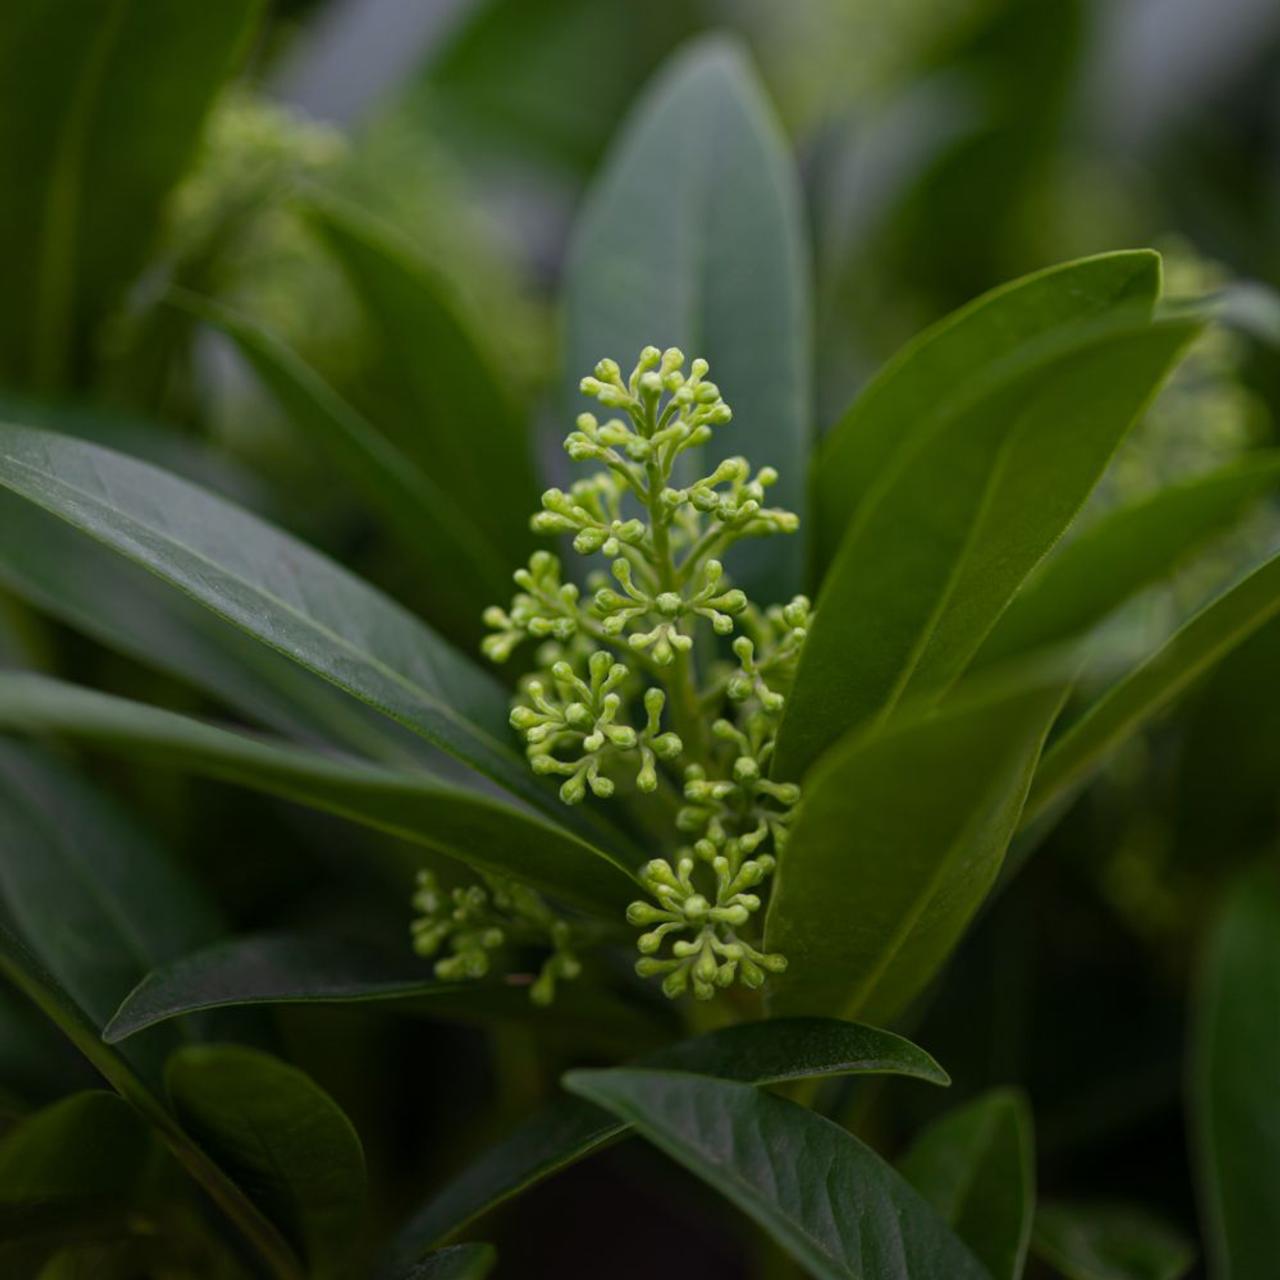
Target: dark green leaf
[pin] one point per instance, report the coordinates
(1124, 552)
(101, 107)
(24, 969)
(461, 1262)
(1236, 1063)
(90, 891)
(283, 1140)
(692, 237)
(569, 1129)
(431, 522)
(976, 1166)
(902, 829)
(459, 423)
(66, 1173)
(299, 968)
(831, 1202)
(950, 530)
(1217, 629)
(279, 591)
(1109, 1242)
(272, 968)
(475, 828)
(933, 371)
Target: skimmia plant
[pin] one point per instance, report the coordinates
(784, 711)
(634, 681)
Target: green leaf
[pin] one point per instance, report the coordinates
(90, 1145)
(976, 1166)
(283, 1140)
(459, 421)
(70, 1169)
(1109, 1242)
(101, 105)
(24, 969)
(933, 371)
(1125, 551)
(272, 968)
(950, 530)
(831, 1202)
(902, 829)
(570, 1130)
(693, 237)
(47, 563)
(1235, 1066)
(429, 519)
(1212, 633)
(95, 897)
(476, 829)
(461, 1262)
(280, 591)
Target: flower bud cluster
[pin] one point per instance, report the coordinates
(657, 632)
(477, 921)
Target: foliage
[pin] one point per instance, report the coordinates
(323, 856)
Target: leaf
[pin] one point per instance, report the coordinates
(430, 522)
(281, 592)
(1235, 1066)
(693, 237)
(23, 968)
(948, 533)
(1211, 634)
(68, 1170)
(902, 829)
(480, 831)
(461, 1262)
(934, 370)
(976, 1166)
(281, 1138)
(91, 1145)
(1109, 1242)
(92, 893)
(569, 1129)
(48, 564)
(272, 968)
(102, 107)
(829, 1201)
(459, 423)
(1125, 551)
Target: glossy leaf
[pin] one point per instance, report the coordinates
(1123, 552)
(272, 968)
(933, 371)
(831, 1202)
(1109, 1242)
(428, 518)
(24, 969)
(903, 830)
(459, 420)
(693, 237)
(465, 824)
(283, 1140)
(278, 590)
(569, 1129)
(92, 893)
(461, 1262)
(1212, 633)
(976, 1166)
(951, 529)
(1235, 1066)
(101, 108)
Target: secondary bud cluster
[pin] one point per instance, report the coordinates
(479, 920)
(657, 632)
